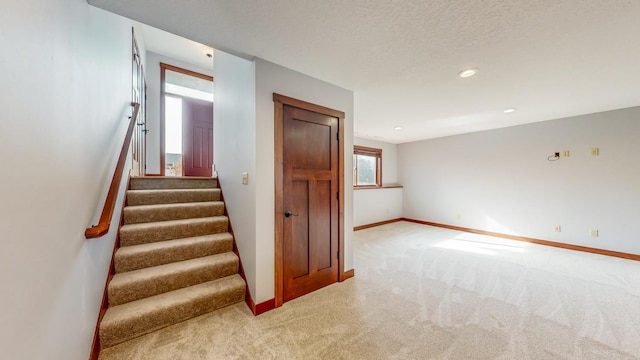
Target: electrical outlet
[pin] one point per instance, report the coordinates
(594, 232)
(558, 228)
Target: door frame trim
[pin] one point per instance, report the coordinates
(163, 68)
(279, 102)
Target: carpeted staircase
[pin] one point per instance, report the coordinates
(175, 259)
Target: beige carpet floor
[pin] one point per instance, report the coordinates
(428, 293)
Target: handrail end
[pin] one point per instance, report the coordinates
(97, 231)
(107, 211)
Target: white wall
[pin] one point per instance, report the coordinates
(501, 181)
(272, 78)
(375, 205)
(64, 93)
(152, 75)
(234, 150)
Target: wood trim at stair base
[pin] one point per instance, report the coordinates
(263, 307)
(95, 345)
(348, 274)
(587, 249)
(367, 226)
(247, 294)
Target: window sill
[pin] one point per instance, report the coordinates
(384, 186)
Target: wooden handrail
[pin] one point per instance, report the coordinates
(110, 202)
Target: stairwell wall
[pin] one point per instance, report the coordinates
(65, 94)
(234, 150)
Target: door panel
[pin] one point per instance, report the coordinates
(323, 224)
(197, 132)
(300, 229)
(310, 234)
(316, 154)
(196, 160)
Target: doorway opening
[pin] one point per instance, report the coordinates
(186, 126)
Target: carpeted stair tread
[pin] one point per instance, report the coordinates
(164, 212)
(175, 258)
(171, 196)
(130, 320)
(136, 257)
(139, 284)
(135, 234)
(170, 182)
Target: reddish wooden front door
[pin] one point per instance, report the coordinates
(197, 137)
(310, 200)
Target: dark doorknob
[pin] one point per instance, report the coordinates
(289, 214)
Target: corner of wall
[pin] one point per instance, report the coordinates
(234, 151)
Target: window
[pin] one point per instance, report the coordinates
(367, 167)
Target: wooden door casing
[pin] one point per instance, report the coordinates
(310, 184)
(138, 95)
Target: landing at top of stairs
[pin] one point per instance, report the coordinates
(171, 196)
(170, 182)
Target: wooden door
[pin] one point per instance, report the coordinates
(197, 137)
(310, 201)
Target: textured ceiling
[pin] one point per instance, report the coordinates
(176, 47)
(547, 58)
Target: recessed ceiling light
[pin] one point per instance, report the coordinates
(397, 128)
(467, 73)
(510, 110)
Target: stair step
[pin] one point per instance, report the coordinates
(171, 196)
(135, 234)
(130, 320)
(172, 182)
(136, 257)
(164, 212)
(138, 284)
